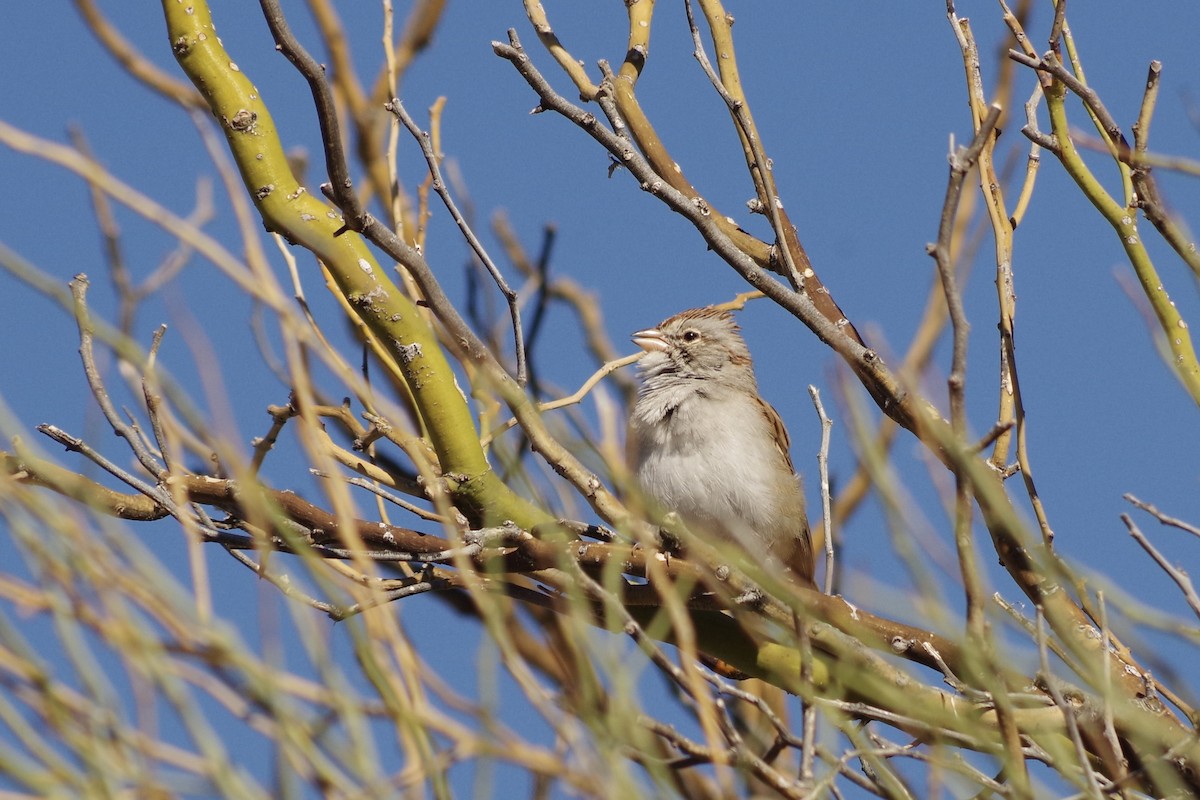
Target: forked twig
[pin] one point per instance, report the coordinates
(439, 185)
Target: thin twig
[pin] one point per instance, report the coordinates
(1056, 28)
(340, 184)
(541, 302)
(1032, 162)
(770, 205)
(564, 289)
(280, 582)
(79, 288)
(1161, 517)
(1025, 624)
(760, 768)
(135, 62)
(418, 585)
(571, 399)
(1068, 711)
(962, 160)
(992, 435)
(379, 491)
(865, 361)
(154, 401)
(823, 472)
(1176, 574)
(1110, 731)
(433, 160)
(77, 445)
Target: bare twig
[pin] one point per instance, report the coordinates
(1110, 731)
(760, 166)
(541, 303)
(340, 184)
(134, 62)
(823, 472)
(1163, 518)
(379, 491)
(574, 397)
(77, 445)
(79, 288)
(840, 336)
(1176, 574)
(962, 160)
(433, 160)
(1091, 787)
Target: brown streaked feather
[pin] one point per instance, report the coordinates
(782, 442)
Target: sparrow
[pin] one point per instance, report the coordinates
(704, 444)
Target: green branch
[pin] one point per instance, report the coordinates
(1173, 326)
(289, 209)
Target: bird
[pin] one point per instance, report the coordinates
(704, 444)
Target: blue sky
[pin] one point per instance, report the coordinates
(856, 106)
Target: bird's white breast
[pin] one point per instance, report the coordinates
(694, 458)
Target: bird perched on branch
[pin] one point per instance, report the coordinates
(705, 445)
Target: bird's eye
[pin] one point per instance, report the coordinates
(691, 336)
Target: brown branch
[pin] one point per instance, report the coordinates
(520, 552)
(894, 400)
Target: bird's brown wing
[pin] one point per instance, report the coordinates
(800, 560)
(782, 442)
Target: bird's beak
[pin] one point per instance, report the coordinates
(651, 340)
